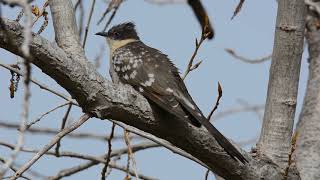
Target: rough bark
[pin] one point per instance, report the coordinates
(275, 138)
(308, 128)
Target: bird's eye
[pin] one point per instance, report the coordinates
(116, 34)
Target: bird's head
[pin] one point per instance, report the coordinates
(120, 35)
(120, 32)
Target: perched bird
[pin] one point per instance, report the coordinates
(153, 74)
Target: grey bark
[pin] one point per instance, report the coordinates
(308, 128)
(275, 138)
(106, 100)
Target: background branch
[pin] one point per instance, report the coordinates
(308, 127)
(275, 138)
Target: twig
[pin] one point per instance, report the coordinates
(98, 159)
(241, 109)
(88, 23)
(293, 148)
(76, 5)
(80, 135)
(162, 142)
(42, 86)
(131, 172)
(73, 170)
(130, 154)
(63, 124)
(81, 167)
(46, 113)
(254, 108)
(23, 121)
(210, 115)
(247, 60)
(60, 135)
(207, 174)
(12, 168)
(217, 102)
(20, 15)
(108, 157)
(111, 17)
(41, 13)
(204, 36)
(128, 166)
(112, 5)
(238, 8)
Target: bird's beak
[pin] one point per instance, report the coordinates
(102, 34)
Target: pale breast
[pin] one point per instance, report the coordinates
(125, 63)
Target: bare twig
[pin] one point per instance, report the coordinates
(46, 113)
(204, 36)
(63, 124)
(12, 167)
(293, 148)
(238, 8)
(131, 172)
(206, 176)
(23, 121)
(81, 167)
(108, 157)
(41, 13)
(60, 135)
(76, 5)
(114, 4)
(20, 15)
(111, 17)
(130, 154)
(247, 60)
(247, 108)
(217, 102)
(162, 142)
(47, 131)
(98, 159)
(88, 23)
(42, 86)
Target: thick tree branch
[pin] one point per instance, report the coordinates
(275, 138)
(308, 128)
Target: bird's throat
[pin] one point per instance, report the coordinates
(116, 44)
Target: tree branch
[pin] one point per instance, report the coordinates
(308, 128)
(275, 138)
(46, 148)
